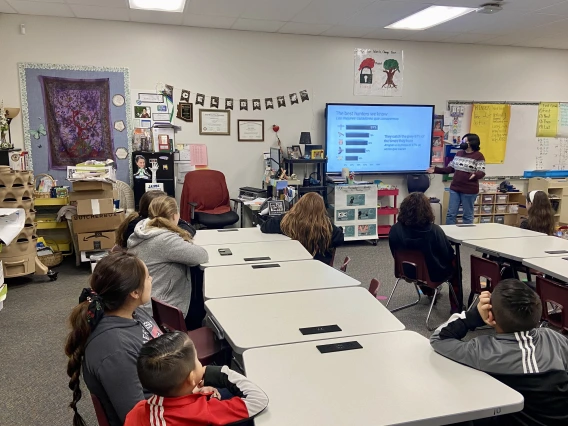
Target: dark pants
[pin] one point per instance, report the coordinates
(196, 313)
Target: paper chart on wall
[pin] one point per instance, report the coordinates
(562, 120)
(547, 124)
(356, 211)
(491, 123)
(552, 154)
(198, 155)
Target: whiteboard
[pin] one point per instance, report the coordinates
(524, 150)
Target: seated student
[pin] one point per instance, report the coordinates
(126, 228)
(168, 252)
(308, 222)
(541, 215)
(107, 331)
(416, 230)
(531, 360)
(168, 367)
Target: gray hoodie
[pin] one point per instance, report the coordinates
(109, 366)
(168, 258)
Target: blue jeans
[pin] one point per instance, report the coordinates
(466, 200)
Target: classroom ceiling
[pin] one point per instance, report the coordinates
(530, 23)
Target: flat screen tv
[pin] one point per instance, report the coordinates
(372, 139)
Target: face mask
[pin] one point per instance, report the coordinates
(463, 145)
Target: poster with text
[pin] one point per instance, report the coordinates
(356, 211)
(378, 72)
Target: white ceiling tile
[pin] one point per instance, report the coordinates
(470, 38)
(94, 12)
(41, 8)
(330, 11)
(382, 13)
(257, 25)
(345, 31)
(208, 21)
(276, 10)
(300, 28)
(382, 34)
(430, 36)
(559, 9)
(507, 40)
(232, 8)
(156, 17)
(529, 5)
(6, 8)
(100, 3)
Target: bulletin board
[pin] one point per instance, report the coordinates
(356, 211)
(524, 149)
(74, 113)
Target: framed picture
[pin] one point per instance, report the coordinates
(290, 152)
(317, 154)
(296, 152)
(161, 116)
(250, 130)
(151, 97)
(214, 122)
(185, 112)
(164, 143)
(142, 112)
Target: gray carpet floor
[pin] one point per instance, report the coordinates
(33, 380)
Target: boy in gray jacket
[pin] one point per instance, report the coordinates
(531, 360)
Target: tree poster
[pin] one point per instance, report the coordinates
(378, 72)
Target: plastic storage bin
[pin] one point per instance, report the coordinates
(501, 208)
(513, 208)
(499, 219)
(476, 219)
(485, 219)
(487, 209)
(502, 199)
(476, 209)
(487, 199)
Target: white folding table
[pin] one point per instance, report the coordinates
(396, 378)
(235, 236)
(268, 278)
(276, 319)
(517, 249)
(249, 253)
(555, 266)
(483, 231)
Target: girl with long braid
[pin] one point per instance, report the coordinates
(107, 331)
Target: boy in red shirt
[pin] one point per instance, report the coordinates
(168, 367)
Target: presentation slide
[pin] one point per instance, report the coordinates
(379, 138)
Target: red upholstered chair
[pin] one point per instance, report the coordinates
(487, 269)
(205, 200)
(410, 266)
(99, 411)
(209, 348)
(551, 292)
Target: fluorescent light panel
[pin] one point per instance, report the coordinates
(160, 5)
(430, 17)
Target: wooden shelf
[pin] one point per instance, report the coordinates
(51, 201)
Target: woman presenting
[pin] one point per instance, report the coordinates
(468, 167)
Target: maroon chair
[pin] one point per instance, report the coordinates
(551, 292)
(345, 264)
(99, 411)
(209, 348)
(485, 269)
(410, 266)
(205, 200)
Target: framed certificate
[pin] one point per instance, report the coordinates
(151, 97)
(214, 122)
(251, 130)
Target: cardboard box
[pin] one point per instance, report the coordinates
(96, 240)
(90, 207)
(92, 195)
(92, 185)
(94, 223)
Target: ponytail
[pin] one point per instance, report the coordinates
(160, 211)
(119, 233)
(160, 222)
(75, 350)
(114, 278)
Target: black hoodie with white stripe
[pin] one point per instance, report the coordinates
(534, 363)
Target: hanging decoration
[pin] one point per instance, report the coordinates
(378, 72)
(244, 104)
(214, 102)
(281, 102)
(185, 94)
(229, 103)
(304, 95)
(200, 99)
(255, 104)
(293, 98)
(269, 103)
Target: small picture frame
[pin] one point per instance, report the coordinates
(164, 143)
(290, 152)
(296, 152)
(317, 154)
(250, 130)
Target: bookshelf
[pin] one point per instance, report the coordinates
(491, 207)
